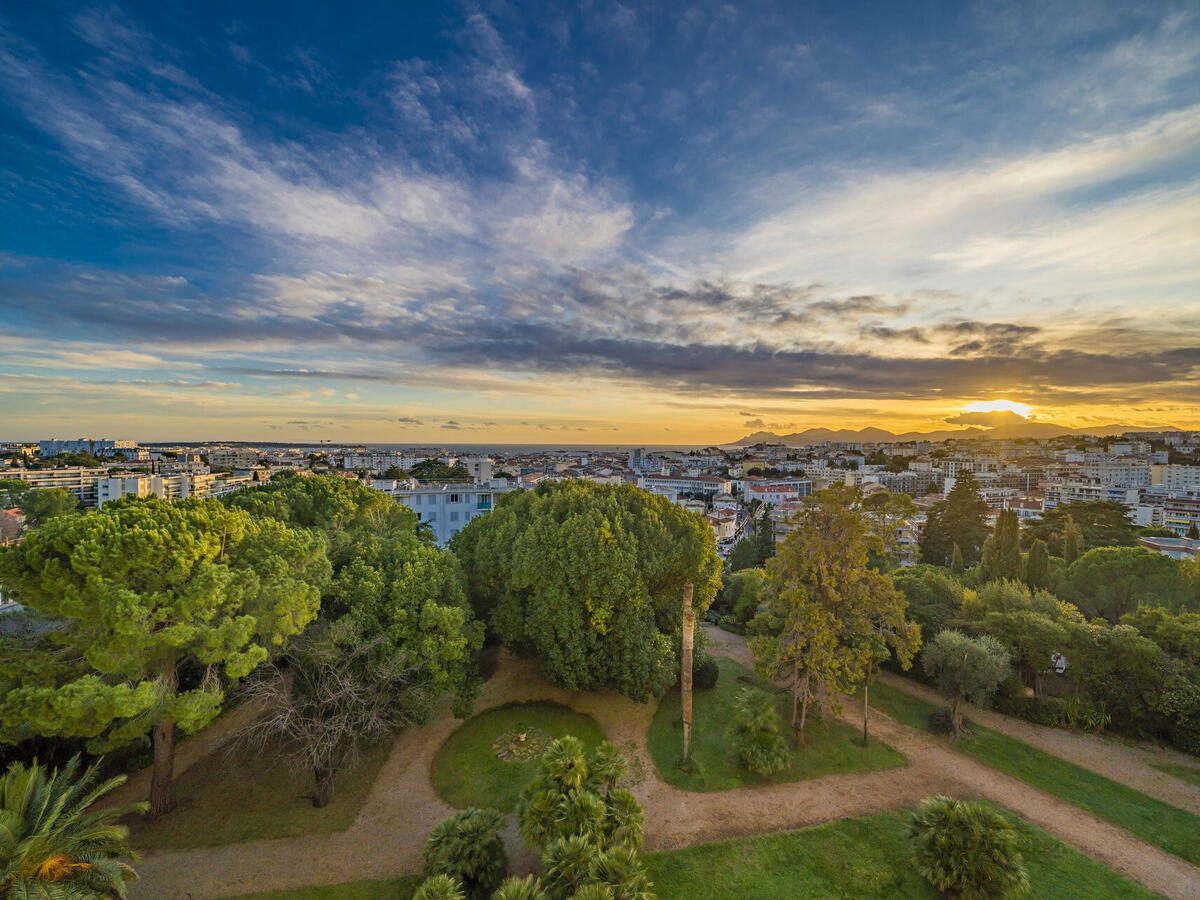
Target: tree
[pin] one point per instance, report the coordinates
(1002, 550)
(514, 888)
(968, 850)
(1037, 566)
(335, 689)
(40, 505)
(1072, 541)
(1177, 633)
(1100, 523)
(51, 846)
(957, 566)
(1193, 533)
(158, 600)
(588, 828)
(828, 613)
(764, 536)
(587, 578)
(742, 593)
(934, 598)
(468, 848)
(393, 473)
(886, 513)
(966, 668)
(439, 887)
(960, 519)
(744, 555)
(434, 470)
(755, 735)
(1112, 581)
(1032, 638)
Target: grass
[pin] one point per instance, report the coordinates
(831, 747)
(251, 796)
(1184, 773)
(389, 889)
(868, 857)
(1155, 822)
(467, 772)
(859, 858)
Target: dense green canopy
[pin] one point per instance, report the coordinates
(958, 521)
(589, 578)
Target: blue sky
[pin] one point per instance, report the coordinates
(435, 222)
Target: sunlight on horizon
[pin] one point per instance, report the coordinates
(1021, 409)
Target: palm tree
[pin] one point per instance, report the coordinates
(468, 848)
(51, 847)
(968, 850)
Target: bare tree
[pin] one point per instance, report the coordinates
(327, 696)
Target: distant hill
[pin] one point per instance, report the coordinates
(813, 436)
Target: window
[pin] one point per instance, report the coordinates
(454, 515)
(454, 498)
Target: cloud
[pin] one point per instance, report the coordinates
(991, 419)
(409, 420)
(754, 423)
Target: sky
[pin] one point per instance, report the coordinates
(595, 222)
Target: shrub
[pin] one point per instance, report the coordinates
(968, 850)
(468, 847)
(755, 733)
(438, 887)
(514, 888)
(705, 673)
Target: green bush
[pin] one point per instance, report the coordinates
(438, 887)
(514, 888)
(468, 847)
(705, 673)
(968, 850)
(755, 733)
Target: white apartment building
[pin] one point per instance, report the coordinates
(79, 480)
(480, 468)
(90, 446)
(179, 486)
(447, 508)
(1176, 478)
(708, 485)
(379, 462)
(1121, 472)
(724, 524)
(775, 494)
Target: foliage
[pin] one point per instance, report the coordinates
(957, 566)
(1177, 633)
(958, 521)
(705, 672)
(934, 598)
(968, 849)
(161, 600)
(514, 888)
(50, 844)
(334, 690)
(828, 615)
(589, 578)
(589, 828)
(744, 555)
(1099, 523)
(439, 887)
(39, 505)
(468, 848)
(435, 471)
(755, 735)
(1002, 551)
(1037, 566)
(966, 668)
(742, 593)
(1113, 581)
(885, 513)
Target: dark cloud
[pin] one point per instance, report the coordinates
(409, 420)
(755, 423)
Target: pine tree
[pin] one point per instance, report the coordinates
(1072, 541)
(959, 519)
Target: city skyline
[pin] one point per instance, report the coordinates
(623, 226)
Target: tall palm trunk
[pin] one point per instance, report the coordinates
(685, 668)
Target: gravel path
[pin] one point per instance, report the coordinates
(1121, 761)
(387, 837)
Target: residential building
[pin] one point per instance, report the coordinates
(232, 457)
(724, 524)
(1176, 548)
(706, 485)
(447, 508)
(1176, 478)
(87, 446)
(179, 486)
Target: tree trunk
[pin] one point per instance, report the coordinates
(324, 793)
(803, 711)
(161, 793)
(866, 708)
(685, 668)
(796, 698)
(956, 713)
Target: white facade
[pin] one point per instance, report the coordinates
(102, 447)
(447, 508)
(1122, 472)
(1176, 478)
(232, 457)
(170, 487)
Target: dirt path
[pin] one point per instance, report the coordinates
(387, 836)
(1120, 761)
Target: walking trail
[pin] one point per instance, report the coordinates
(387, 837)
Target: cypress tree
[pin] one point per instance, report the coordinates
(1037, 566)
(1002, 552)
(956, 560)
(1072, 541)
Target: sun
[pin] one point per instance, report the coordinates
(1021, 409)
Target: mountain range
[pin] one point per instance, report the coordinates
(1007, 430)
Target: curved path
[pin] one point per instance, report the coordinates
(1121, 761)
(387, 836)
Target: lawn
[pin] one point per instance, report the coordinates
(1185, 773)
(389, 889)
(832, 747)
(250, 796)
(859, 858)
(467, 771)
(1155, 822)
(855, 858)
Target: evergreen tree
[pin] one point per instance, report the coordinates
(1193, 533)
(959, 519)
(956, 560)
(1072, 540)
(764, 536)
(1002, 551)
(1037, 566)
